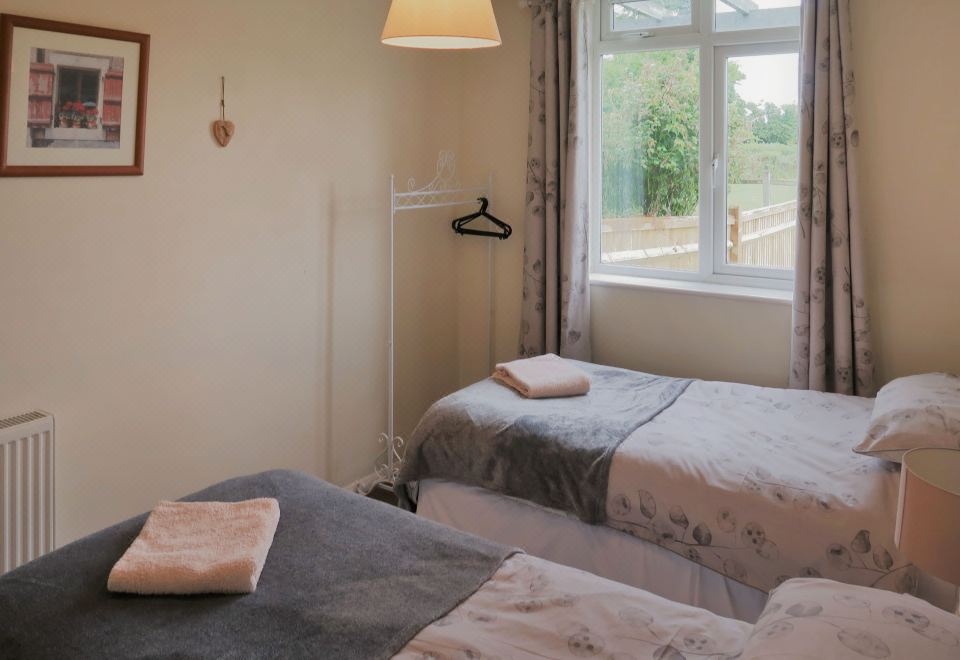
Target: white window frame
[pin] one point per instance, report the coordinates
(715, 48)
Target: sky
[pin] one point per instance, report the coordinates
(761, 4)
(772, 78)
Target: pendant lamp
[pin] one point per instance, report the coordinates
(441, 24)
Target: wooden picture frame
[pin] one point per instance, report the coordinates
(73, 99)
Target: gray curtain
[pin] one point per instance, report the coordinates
(556, 269)
(831, 344)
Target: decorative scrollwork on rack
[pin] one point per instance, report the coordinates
(444, 190)
(446, 178)
(388, 471)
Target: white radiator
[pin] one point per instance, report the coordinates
(26, 488)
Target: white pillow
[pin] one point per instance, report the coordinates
(912, 412)
(815, 618)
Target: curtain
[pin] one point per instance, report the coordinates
(555, 316)
(831, 342)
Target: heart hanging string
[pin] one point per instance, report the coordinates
(223, 130)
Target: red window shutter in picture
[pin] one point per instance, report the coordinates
(40, 111)
(112, 97)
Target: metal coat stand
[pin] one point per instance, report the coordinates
(443, 192)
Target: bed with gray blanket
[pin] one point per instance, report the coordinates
(757, 484)
(346, 577)
(555, 452)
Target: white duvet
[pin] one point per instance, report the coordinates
(532, 608)
(762, 485)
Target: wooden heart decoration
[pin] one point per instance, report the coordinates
(223, 131)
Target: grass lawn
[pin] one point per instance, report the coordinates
(749, 196)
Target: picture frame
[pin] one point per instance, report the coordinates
(73, 99)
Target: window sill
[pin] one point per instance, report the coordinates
(758, 294)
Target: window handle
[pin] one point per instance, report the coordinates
(716, 168)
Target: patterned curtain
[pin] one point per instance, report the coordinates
(556, 269)
(831, 343)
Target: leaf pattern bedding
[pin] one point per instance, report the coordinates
(761, 485)
(532, 608)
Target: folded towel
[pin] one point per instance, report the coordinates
(199, 548)
(543, 377)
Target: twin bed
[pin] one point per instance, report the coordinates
(327, 592)
(706, 493)
(745, 501)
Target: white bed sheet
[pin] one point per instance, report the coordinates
(606, 552)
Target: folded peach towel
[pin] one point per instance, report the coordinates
(199, 548)
(543, 377)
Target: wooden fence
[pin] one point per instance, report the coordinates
(763, 237)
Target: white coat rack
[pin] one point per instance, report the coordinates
(443, 192)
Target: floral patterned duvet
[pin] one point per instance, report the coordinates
(532, 608)
(762, 485)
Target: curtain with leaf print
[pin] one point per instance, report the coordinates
(556, 270)
(831, 343)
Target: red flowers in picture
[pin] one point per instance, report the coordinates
(74, 114)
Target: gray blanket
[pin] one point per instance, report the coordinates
(346, 577)
(555, 452)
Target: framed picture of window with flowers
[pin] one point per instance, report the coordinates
(73, 99)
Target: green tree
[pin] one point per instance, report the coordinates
(651, 127)
(773, 124)
(651, 145)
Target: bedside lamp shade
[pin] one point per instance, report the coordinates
(441, 24)
(928, 518)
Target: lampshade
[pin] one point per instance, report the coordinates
(441, 24)
(928, 518)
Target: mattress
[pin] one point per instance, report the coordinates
(562, 538)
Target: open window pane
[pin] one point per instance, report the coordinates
(650, 159)
(650, 14)
(756, 14)
(762, 160)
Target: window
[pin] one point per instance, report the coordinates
(695, 168)
(648, 14)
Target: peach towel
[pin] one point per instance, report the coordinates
(543, 377)
(199, 548)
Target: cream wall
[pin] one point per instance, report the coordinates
(910, 138)
(224, 313)
(908, 101)
(494, 142)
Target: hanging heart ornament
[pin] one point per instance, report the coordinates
(223, 131)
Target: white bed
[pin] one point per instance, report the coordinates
(754, 485)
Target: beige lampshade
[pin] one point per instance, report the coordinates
(441, 24)
(928, 518)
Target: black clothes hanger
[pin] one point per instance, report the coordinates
(460, 228)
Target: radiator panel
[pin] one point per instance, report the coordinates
(27, 486)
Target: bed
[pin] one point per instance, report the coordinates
(326, 591)
(757, 485)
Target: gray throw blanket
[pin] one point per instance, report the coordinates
(555, 452)
(347, 577)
